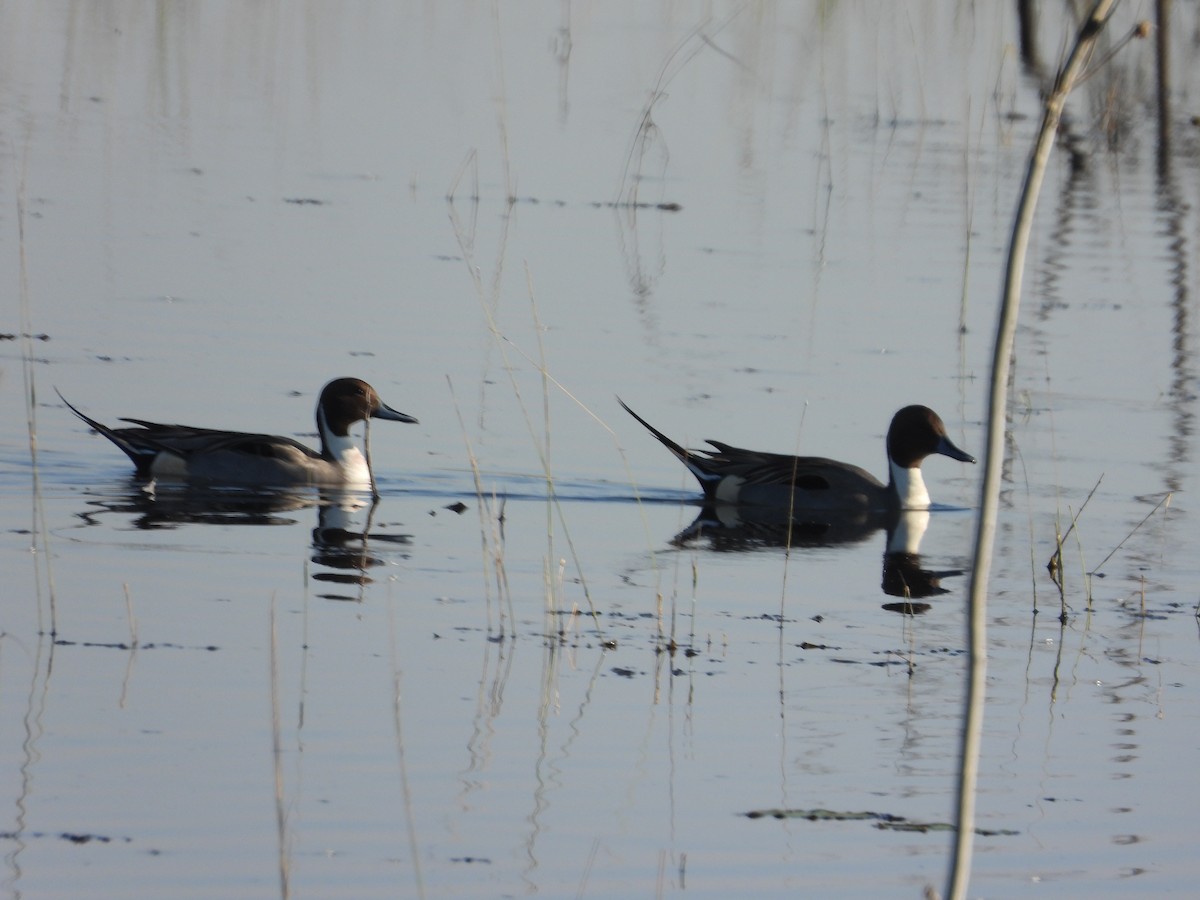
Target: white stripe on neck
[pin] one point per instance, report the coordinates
(348, 458)
(910, 487)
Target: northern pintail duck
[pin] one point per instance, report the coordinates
(235, 457)
(733, 475)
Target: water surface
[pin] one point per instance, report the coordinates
(771, 224)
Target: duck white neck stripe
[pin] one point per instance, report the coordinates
(910, 487)
(350, 458)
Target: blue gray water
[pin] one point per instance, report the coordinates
(770, 224)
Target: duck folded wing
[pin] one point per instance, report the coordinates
(809, 473)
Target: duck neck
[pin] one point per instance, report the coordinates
(908, 487)
(341, 450)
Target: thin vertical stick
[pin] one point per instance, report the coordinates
(39, 532)
(1006, 327)
(367, 456)
(281, 823)
(398, 722)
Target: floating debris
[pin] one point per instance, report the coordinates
(886, 821)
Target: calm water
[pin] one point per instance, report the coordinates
(771, 224)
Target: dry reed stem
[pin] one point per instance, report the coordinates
(787, 551)
(543, 451)
(960, 868)
(551, 602)
(502, 341)
(133, 629)
(397, 721)
(281, 825)
(367, 456)
(588, 865)
(133, 647)
(470, 161)
(637, 496)
(502, 107)
(1055, 564)
(38, 531)
(1087, 581)
(1164, 503)
(494, 558)
(1033, 576)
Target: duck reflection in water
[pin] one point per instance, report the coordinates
(903, 575)
(341, 540)
(155, 507)
(725, 528)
